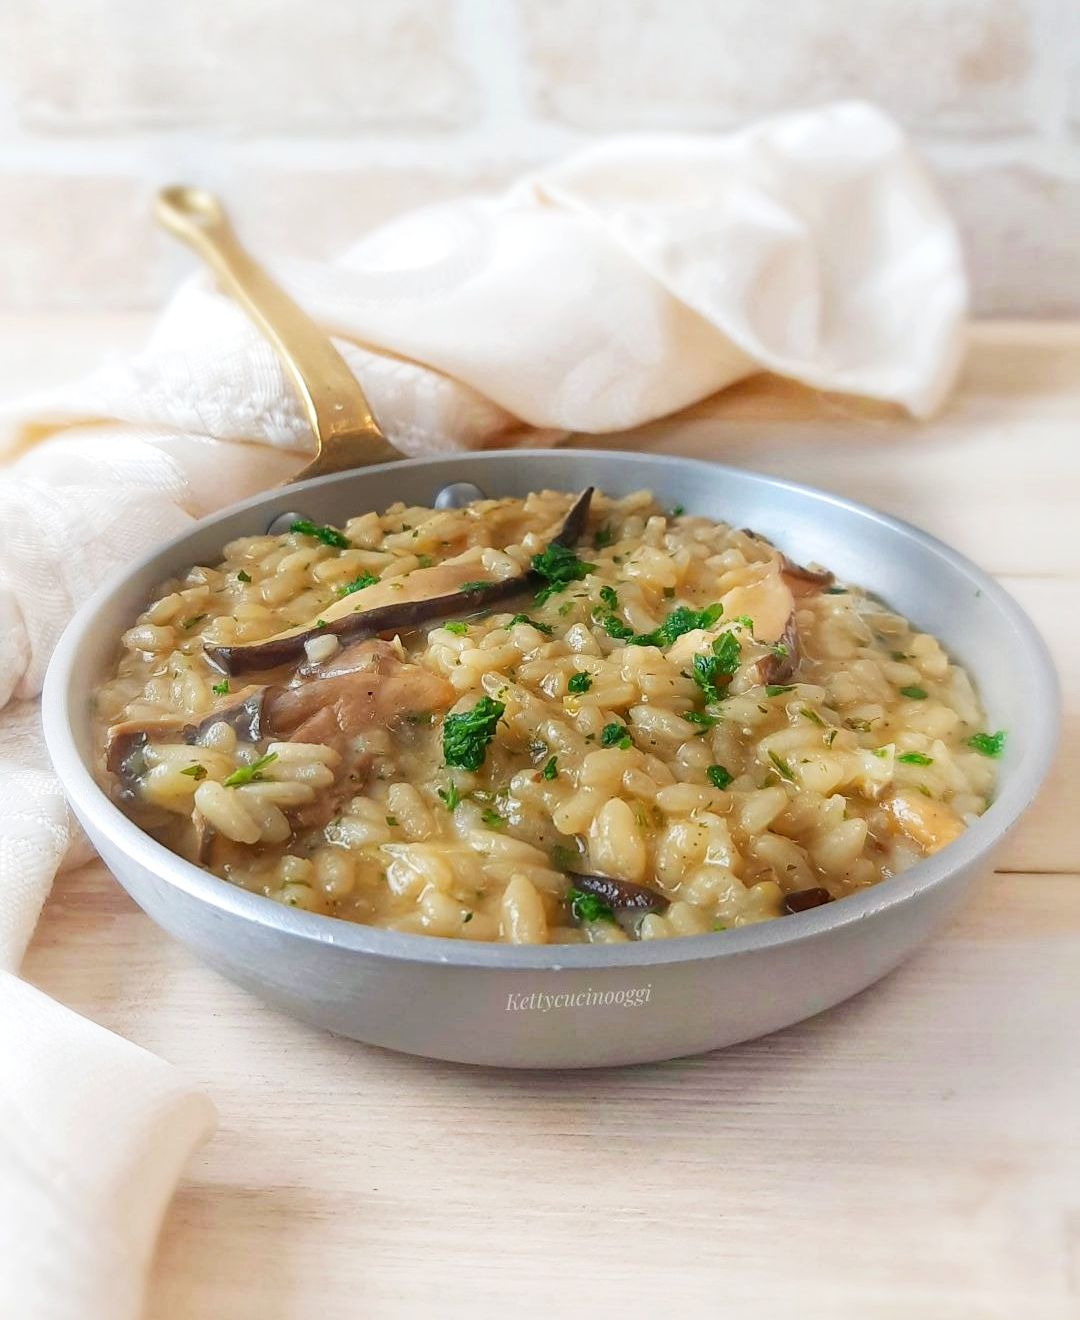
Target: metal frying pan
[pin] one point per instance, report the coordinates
(547, 1006)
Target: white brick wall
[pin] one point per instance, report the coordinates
(319, 119)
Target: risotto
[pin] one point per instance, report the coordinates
(550, 720)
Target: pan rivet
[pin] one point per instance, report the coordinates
(457, 495)
(280, 525)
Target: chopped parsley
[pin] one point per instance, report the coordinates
(551, 768)
(220, 688)
(614, 627)
(250, 774)
(898, 655)
(195, 771)
(859, 726)
(358, 584)
(558, 566)
(545, 628)
(327, 535)
(715, 669)
(243, 577)
(477, 585)
(782, 768)
(425, 561)
(812, 716)
(587, 907)
(456, 627)
(681, 620)
(320, 623)
(449, 795)
(988, 744)
(391, 821)
(615, 735)
(610, 599)
(699, 717)
(492, 819)
(579, 683)
(775, 689)
(915, 693)
(719, 776)
(915, 758)
(466, 736)
(604, 537)
(188, 624)
(678, 510)
(836, 591)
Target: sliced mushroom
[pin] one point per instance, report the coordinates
(802, 900)
(366, 685)
(396, 606)
(802, 581)
(779, 665)
(619, 893)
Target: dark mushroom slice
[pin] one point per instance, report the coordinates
(367, 685)
(619, 893)
(399, 616)
(779, 665)
(628, 902)
(126, 743)
(802, 900)
(802, 581)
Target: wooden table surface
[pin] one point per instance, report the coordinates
(912, 1153)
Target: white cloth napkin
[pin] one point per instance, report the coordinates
(620, 285)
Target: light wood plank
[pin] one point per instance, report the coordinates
(912, 1152)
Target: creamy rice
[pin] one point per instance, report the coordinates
(459, 776)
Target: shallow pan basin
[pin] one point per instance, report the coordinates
(580, 1005)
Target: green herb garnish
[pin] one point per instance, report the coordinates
(456, 627)
(604, 537)
(782, 768)
(425, 561)
(357, 584)
(551, 768)
(615, 735)
(681, 620)
(587, 907)
(579, 683)
(195, 771)
(678, 510)
(915, 758)
(392, 821)
(250, 774)
(545, 628)
(915, 693)
(775, 689)
(559, 566)
(466, 736)
(477, 585)
(449, 795)
(614, 627)
(187, 624)
(718, 776)
(988, 744)
(608, 596)
(492, 819)
(812, 716)
(699, 717)
(243, 577)
(327, 535)
(220, 688)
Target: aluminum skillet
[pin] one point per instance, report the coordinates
(583, 1005)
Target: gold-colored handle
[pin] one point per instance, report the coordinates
(346, 434)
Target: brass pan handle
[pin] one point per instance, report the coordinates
(346, 434)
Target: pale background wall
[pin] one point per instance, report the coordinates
(321, 118)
